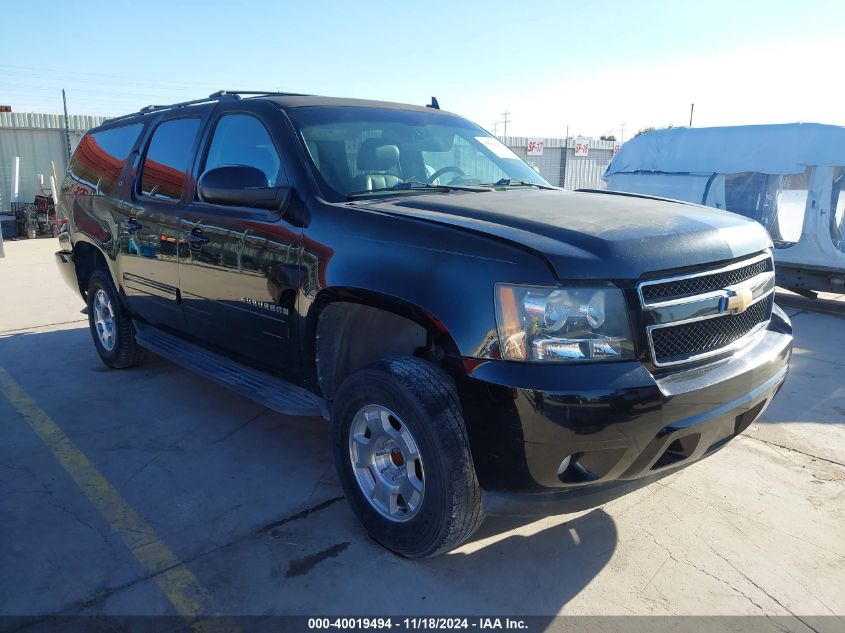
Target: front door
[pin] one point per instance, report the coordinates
(150, 229)
(240, 273)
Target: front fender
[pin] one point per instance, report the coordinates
(445, 272)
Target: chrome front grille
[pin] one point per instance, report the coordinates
(708, 312)
(706, 283)
(710, 334)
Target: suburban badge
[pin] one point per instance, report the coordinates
(263, 305)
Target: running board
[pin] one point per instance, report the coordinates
(274, 393)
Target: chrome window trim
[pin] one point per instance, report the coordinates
(740, 342)
(705, 273)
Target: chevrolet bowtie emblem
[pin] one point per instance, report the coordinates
(737, 300)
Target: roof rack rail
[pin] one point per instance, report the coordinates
(215, 96)
(266, 93)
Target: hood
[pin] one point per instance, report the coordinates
(593, 235)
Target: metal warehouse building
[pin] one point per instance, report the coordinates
(36, 140)
(569, 163)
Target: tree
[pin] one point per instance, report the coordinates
(607, 137)
(646, 130)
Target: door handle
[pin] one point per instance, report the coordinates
(131, 225)
(195, 236)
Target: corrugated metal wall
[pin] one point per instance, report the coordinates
(37, 139)
(582, 172)
(25, 120)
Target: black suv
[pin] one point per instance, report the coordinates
(479, 340)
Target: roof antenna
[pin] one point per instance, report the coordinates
(433, 104)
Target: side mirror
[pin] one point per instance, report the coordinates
(240, 186)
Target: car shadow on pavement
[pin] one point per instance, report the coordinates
(508, 568)
(196, 461)
(164, 455)
(532, 571)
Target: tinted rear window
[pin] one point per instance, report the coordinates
(98, 160)
(168, 157)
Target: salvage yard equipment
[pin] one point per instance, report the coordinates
(36, 218)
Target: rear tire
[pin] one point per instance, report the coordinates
(110, 324)
(418, 401)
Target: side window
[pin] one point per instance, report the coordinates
(792, 204)
(98, 160)
(776, 202)
(241, 139)
(168, 157)
(754, 195)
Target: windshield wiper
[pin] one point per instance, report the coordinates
(516, 182)
(411, 185)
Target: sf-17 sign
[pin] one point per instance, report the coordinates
(534, 147)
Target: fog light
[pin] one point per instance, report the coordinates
(576, 348)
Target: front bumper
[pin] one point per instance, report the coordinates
(619, 426)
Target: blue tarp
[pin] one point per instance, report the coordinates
(767, 149)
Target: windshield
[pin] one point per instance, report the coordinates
(359, 151)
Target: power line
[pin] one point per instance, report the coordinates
(94, 84)
(50, 89)
(70, 74)
(26, 97)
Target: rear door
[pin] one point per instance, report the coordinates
(240, 274)
(150, 229)
(93, 192)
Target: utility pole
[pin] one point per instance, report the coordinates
(67, 126)
(691, 108)
(506, 120)
(621, 133)
(495, 128)
(563, 160)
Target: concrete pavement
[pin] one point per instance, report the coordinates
(248, 502)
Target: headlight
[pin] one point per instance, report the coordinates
(562, 324)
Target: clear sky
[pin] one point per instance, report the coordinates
(590, 65)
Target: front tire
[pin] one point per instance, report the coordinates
(403, 457)
(110, 324)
